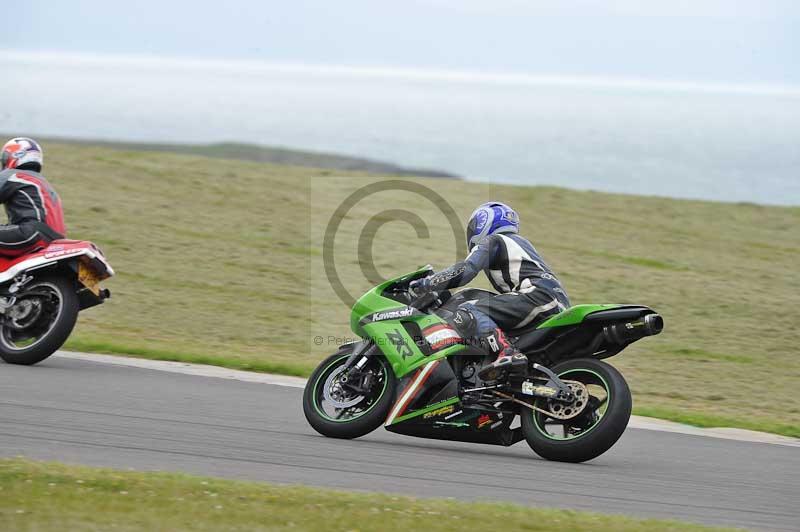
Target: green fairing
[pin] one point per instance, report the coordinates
(573, 315)
(429, 408)
(390, 336)
(399, 346)
(373, 301)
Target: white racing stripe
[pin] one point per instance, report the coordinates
(201, 370)
(441, 337)
(401, 404)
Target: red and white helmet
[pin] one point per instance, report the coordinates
(22, 151)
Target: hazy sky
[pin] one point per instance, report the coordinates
(745, 41)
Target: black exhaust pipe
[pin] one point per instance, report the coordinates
(627, 332)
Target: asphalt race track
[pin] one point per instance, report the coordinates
(101, 414)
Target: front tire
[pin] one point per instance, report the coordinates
(363, 415)
(599, 425)
(59, 309)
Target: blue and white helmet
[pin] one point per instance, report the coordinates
(489, 219)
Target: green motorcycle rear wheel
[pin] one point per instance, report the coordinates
(598, 426)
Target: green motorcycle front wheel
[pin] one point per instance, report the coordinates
(604, 407)
(333, 409)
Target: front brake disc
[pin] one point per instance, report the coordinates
(336, 394)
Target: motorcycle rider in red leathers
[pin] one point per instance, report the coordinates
(35, 216)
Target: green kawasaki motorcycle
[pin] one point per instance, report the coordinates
(413, 373)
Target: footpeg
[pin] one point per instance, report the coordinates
(504, 366)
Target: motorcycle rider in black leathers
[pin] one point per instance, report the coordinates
(529, 290)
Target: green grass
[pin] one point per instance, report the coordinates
(221, 262)
(37, 496)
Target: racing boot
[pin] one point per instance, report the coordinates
(509, 360)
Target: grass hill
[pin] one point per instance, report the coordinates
(267, 154)
(221, 262)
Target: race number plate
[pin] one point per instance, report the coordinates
(88, 278)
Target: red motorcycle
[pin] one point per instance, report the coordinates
(41, 294)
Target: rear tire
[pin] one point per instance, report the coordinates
(600, 436)
(59, 331)
(367, 421)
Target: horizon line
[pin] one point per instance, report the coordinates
(408, 73)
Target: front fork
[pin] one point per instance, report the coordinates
(353, 377)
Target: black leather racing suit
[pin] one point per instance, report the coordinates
(529, 290)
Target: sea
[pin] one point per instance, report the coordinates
(732, 143)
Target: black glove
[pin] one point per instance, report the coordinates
(419, 287)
